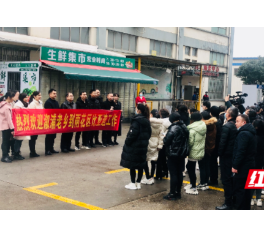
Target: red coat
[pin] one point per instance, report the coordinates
(139, 100)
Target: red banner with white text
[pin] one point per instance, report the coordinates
(29, 122)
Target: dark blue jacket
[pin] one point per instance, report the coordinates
(245, 149)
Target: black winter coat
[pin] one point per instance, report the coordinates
(222, 118)
(80, 104)
(134, 153)
(244, 150)
(100, 99)
(108, 104)
(218, 132)
(227, 140)
(259, 161)
(185, 118)
(93, 103)
(51, 104)
(118, 106)
(67, 105)
(176, 140)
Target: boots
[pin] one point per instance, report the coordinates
(17, 156)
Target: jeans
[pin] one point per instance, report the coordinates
(66, 141)
(242, 196)
(175, 166)
(204, 166)
(191, 165)
(17, 146)
(133, 175)
(77, 138)
(6, 136)
(32, 144)
(49, 142)
(227, 179)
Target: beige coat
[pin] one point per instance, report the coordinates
(35, 104)
(20, 105)
(155, 139)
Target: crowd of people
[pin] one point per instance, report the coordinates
(232, 135)
(14, 99)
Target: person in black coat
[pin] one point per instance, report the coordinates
(67, 137)
(177, 148)
(183, 111)
(96, 133)
(82, 103)
(259, 159)
(134, 153)
(93, 103)
(108, 105)
(245, 148)
(51, 103)
(117, 106)
(225, 151)
(206, 106)
(206, 97)
(222, 110)
(213, 161)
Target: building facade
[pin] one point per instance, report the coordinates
(210, 46)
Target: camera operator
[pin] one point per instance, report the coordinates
(228, 104)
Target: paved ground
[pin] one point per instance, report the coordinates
(86, 179)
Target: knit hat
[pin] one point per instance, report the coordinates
(175, 116)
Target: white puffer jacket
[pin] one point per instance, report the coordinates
(35, 104)
(165, 125)
(155, 139)
(20, 105)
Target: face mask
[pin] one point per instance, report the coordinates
(140, 94)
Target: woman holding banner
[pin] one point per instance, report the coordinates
(34, 103)
(6, 125)
(20, 104)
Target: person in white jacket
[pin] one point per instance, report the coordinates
(162, 168)
(34, 103)
(154, 145)
(20, 104)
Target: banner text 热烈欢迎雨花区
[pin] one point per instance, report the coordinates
(50, 121)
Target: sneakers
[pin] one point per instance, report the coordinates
(85, 147)
(192, 191)
(77, 148)
(187, 187)
(203, 187)
(104, 145)
(147, 181)
(138, 185)
(131, 186)
(259, 203)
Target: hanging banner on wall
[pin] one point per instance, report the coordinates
(86, 58)
(29, 122)
(28, 73)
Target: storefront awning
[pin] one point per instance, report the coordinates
(96, 73)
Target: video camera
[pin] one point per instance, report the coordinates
(238, 99)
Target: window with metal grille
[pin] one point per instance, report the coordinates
(218, 58)
(162, 48)
(121, 41)
(13, 54)
(72, 34)
(17, 30)
(219, 30)
(13, 82)
(216, 87)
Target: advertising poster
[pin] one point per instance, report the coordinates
(29, 76)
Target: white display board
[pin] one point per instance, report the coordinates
(29, 75)
(254, 94)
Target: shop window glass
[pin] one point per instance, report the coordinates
(218, 57)
(22, 30)
(65, 33)
(75, 34)
(10, 29)
(194, 51)
(125, 42)
(187, 50)
(219, 30)
(55, 33)
(121, 41)
(133, 43)
(84, 35)
(163, 49)
(110, 39)
(169, 50)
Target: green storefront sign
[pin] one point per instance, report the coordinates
(77, 57)
(23, 65)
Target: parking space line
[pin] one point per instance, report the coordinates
(36, 190)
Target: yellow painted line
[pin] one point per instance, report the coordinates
(60, 198)
(117, 171)
(121, 170)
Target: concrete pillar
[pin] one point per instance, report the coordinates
(92, 35)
